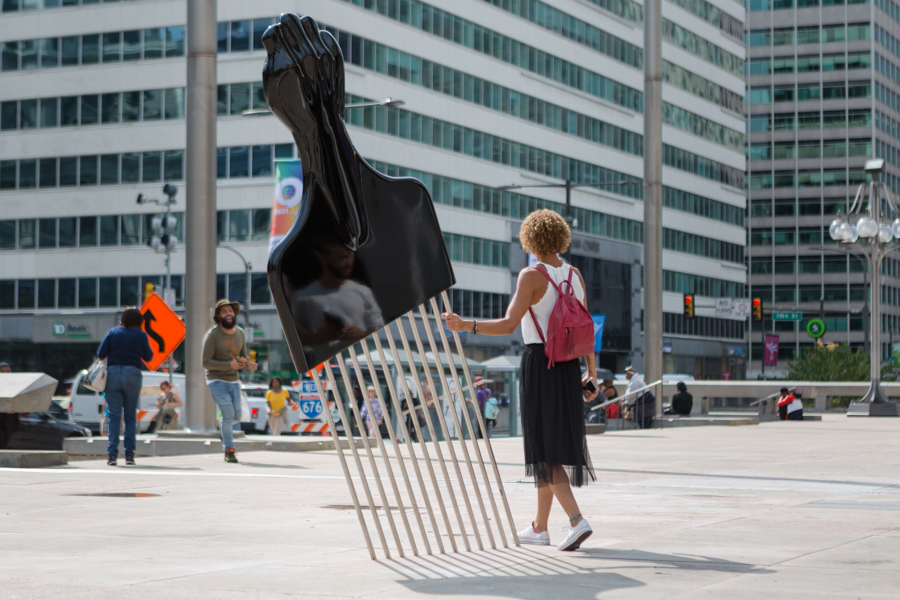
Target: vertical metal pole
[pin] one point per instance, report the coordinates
(200, 217)
(653, 313)
(875, 323)
(568, 253)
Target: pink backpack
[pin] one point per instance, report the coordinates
(570, 331)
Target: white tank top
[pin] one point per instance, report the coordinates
(543, 307)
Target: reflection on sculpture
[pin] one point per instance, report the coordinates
(365, 248)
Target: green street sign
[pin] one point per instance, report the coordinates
(787, 316)
(815, 328)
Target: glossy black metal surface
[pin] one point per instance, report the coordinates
(365, 248)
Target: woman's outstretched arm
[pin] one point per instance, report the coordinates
(529, 289)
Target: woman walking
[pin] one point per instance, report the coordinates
(126, 348)
(551, 398)
(373, 425)
(277, 399)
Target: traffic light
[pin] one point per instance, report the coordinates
(688, 306)
(757, 309)
(148, 290)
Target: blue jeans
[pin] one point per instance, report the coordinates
(227, 396)
(123, 388)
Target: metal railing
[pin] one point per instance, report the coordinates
(657, 385)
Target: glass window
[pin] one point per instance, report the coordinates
(237, 283)
(174, 41)
(222, 100)
(28, 114)
(174, 103)
(9, 115)
(8, 235)
(109, 292)
(221, 229)
(262, 161)
(258, 97)
(49, 110)
(87, 173)
(259, 286)
(131, 230)
(112, 46)
(131, 45)
(152, 167)
(27, 234)
(262, 219)
(109, 169)
(89, 109)
(67, 232)
(128, 291)
(284, 150)
(68, 171)
(26, 294)
(27, 174)
(87, 293)
(220, 286)
(29, 54)
(239, 226)
(240, 35)
(47, 237)
(109, 230)
(10, 5)
(49, 52)
(65, 293)
(131, 107)
(259, 28)
(222, 37)
(7, 174)
(174, 165)
(10, 56)
(239, 158)
(240, 98)
(90, 49)
(70, 51)
(87, 231)
(47, 172)
(153, 105)
(110, 108)
(221, 163)
(131, 167)
(153, 43)
(68, 111)
(8, 293)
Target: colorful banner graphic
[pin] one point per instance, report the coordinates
(599, 320)
(288, 193)
(770, 356)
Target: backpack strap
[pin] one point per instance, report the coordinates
(533, 317)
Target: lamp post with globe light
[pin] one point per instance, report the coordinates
(873, 237)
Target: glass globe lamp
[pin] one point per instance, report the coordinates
(843, 232)
(896, 228)
(885, 234)
(866, 227)
(836, 224)
(853, 235)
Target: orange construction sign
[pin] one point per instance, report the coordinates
(164, 328)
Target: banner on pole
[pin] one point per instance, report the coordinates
(599, 320)
(288, 193)
(770, 358)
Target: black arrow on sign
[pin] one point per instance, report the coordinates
(148, 318)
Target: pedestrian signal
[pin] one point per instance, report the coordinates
(688, 306)
(757, 314)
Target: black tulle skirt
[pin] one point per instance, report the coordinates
(553, 418)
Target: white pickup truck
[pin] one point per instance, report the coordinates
(86, 406)
(296, 419)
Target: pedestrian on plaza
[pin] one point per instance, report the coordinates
(224, 355)
(552, 400)
(277, 400)
(5, 368)
(795, 408)
(125, 349)
(372, 425)
(487, 404)
(642, 404)
(166, 403)
(430, 413)
(682, 402)
(786, 398)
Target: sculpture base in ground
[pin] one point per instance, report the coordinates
(873, 409)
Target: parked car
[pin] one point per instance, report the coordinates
(59, 408)
(42, 431)
(86, 406)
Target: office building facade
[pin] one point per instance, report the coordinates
(496, 93)
(822, 96)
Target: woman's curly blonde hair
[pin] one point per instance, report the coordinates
(544, 232)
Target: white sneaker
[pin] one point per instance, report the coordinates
(530, 536)
(576, 535)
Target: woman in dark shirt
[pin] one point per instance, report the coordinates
(125, 348)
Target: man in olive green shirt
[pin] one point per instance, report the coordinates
(224, 355)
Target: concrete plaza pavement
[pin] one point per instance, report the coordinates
(782, 510)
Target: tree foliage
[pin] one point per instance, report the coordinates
(840, 364)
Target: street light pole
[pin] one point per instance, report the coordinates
(569, 186)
